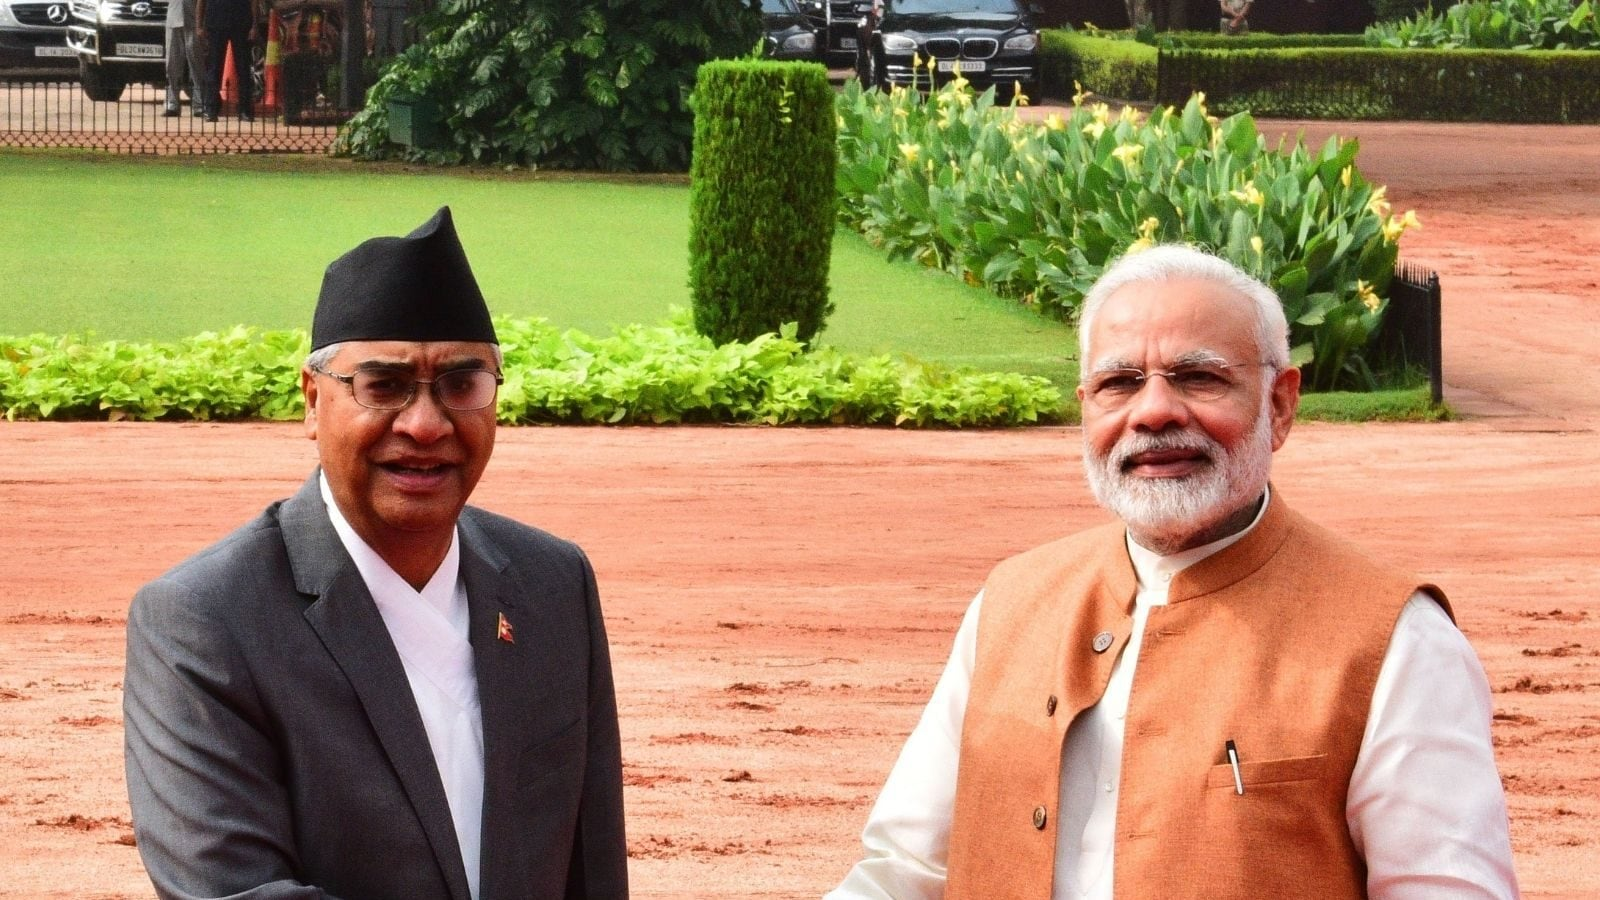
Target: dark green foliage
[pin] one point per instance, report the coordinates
(570, 84)
(761, 199)
(1394, 10)
(1369, 83)
(1259, 40)
(1105, 65)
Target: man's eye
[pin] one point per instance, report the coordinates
(457, 384)
(1199, 379)
(385, 385)
(1120, 383)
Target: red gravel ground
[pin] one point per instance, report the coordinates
(781, 601)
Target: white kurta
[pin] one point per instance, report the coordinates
(429, 630)
(1425, 807)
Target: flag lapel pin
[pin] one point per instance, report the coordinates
(503, 630)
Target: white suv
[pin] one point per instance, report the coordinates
(33, 34)
(118, 42)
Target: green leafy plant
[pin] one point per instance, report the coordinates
(761, 198)
(1037, 211)
(1495, 25)
(660, 374)
(570, 84)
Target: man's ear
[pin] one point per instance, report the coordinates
(1285, 399)
(308, 390)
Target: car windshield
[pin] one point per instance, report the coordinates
(914, 7)
(777, 6)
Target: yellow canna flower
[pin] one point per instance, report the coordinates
(1078, 93)
(1257, 245)
(1377, 204)
(1249, 195)
(1018, 98)
(1101, 112)
(1054, 122)
(1094, 130)
(1410, 220)
(916, 60)
(1140, 245)
(1369, 299)
(910, 152)
(1128, 153)
(1147, 228)
(1344, 176)
(1398, 225)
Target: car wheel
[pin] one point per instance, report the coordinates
(99, 83)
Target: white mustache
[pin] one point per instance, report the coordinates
(1129, 447)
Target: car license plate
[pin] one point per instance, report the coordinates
(967, 65)
(54, 51)
(143, 51)
(847, 43)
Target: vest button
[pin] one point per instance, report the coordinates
(1102, 642)
(1039, 817)
(1050, 706)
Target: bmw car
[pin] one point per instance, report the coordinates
(790, 33)
(989, 42)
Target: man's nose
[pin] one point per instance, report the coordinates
(424, 419)
(1158, 406)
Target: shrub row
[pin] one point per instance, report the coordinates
(761, 198)
(1283, 75)
(1036, 212)
(1366, 83)
(639, 375)
(1497, 25)
(1106, 64)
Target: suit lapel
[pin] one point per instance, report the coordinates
(501, 678)
(347, 620)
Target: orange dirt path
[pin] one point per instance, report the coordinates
(781, 601)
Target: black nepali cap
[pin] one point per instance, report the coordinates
(413, 288)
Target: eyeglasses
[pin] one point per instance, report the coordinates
(1202, 381)
(458, 389)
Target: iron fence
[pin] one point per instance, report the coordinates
(1411, 334)
(52, 111)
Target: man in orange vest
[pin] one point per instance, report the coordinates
(1213, 697)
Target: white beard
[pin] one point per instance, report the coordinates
(1171, 510)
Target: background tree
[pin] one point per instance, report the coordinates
(571, 84)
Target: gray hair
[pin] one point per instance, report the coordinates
(321, 357)
(1169, 262)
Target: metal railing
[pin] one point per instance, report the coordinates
(1412, 333)
(52, 111)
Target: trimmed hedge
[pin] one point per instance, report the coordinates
(1110, 67)
(1211, 40)
(1287, 76)
(761, 199)
(1549, 86)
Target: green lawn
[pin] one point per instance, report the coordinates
(159, 249)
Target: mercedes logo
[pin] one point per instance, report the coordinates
(57, 14)
(140, 9)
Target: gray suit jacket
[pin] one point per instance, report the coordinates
(274, 748)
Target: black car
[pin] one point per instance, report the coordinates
(790, 33)
(991, 42)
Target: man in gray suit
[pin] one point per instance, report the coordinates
(184, 61)
(373, 690)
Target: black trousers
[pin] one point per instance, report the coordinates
(217, 42)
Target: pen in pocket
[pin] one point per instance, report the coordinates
(1233, 760)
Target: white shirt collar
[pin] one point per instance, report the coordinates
(1153, 569)
(383, 581)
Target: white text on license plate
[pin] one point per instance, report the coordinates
(143, 51)
(967, 65)
(54, 51)
(847, 43)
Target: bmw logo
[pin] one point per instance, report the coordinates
(140, 9)
(56, 13)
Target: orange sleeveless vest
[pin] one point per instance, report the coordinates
(1274, 643)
